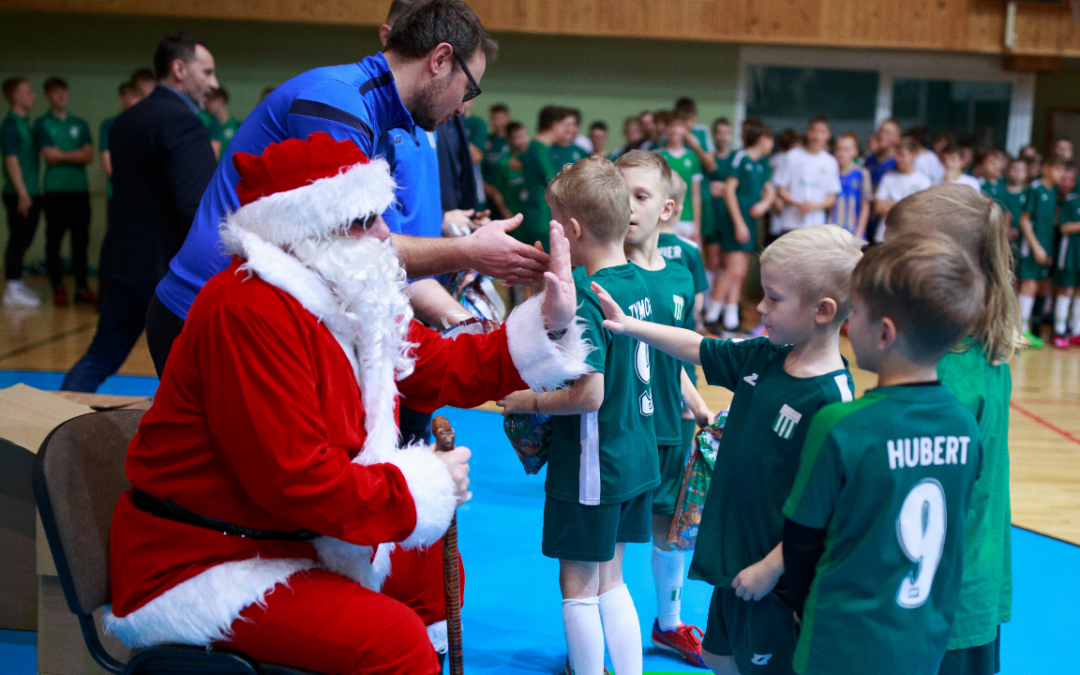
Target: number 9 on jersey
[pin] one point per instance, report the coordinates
(920, 528)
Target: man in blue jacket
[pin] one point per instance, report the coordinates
(434, 58)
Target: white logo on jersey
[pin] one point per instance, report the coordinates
(761, 659)
(641, 362)
(678, 307)
(74, 131)
(646, 404)
(751, 379)
(642, 309)
(927, 451)
(786, 421)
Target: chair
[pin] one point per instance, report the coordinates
(78, 478)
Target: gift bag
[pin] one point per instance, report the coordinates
(531, 437)
(695, 485)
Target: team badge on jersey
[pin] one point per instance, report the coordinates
(678, 307)
(786, 421)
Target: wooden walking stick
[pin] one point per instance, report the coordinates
(444, 442)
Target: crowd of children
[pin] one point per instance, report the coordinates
(779, 185)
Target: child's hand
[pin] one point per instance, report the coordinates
(742, 232)
(703, 417)
(757, 211)
(519, 402)
(1040, 254)
(1014, 233)
(616, 320)
(806, 207)
(717, 188)
(756, 581)
(560, 301)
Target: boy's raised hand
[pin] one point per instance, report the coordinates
(560, 299)
(616, 321)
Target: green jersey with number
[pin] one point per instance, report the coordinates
(70, 133)
(17, 140)
(538, 170)
(609, 456)
(889, 478)
(986, 599)
(1042, 205)
(759, 451)
(686, 253)
(672, 293)
(688, 166)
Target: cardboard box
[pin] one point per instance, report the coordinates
(30, 594)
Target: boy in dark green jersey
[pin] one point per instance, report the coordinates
(217, 106)
(1013, 198)
(538, 169)
(506, 177)
(874, 541)
(780, 382)
(1037, 227)
(684, 251)
(602, 463)
(67, 148)
(1067, 275)
(713, 191)
(748, 194)
(977, 372)
(21, 188)
(671, 287)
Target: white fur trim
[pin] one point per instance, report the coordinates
(323, 207)
(545, 364)
(202, 609)
(436, 632)
(432, 490)
(355, 561)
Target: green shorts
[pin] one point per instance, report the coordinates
(672, 466)
(720, 217)
(574, 531)
(760, 635)
(982, 660)
(1027, 268)
(1067, 274)
(727, 235)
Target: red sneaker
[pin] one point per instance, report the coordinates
(84, 294)
(59, 296)
(684, 640)
(1061, 342)
(1075, 341)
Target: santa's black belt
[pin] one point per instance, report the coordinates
(165, 509)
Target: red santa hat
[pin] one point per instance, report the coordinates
(299, 189)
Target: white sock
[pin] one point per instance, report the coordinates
(1027, 303)
(711, 277)
(1061, 314)
(1075, 321)
(622, 632)
(584, 636)
(667, 572)
(712, 310)
(731, 317)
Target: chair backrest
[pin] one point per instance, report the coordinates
(78, 478)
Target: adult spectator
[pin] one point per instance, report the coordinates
(434, 58)
(21, 188)
(67, 148)
(162, 163)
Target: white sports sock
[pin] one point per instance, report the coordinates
(712, 310)
(1075, 321)
(667, 572)
(584, 636)
(731, 317)
(621, 631)
(1061, 314)
(1027, 303)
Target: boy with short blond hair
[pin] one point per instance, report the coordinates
(874, 537)
(672, 289)
(780, 382)
(602, 462)
(685, 252)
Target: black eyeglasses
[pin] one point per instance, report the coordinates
(475, 91)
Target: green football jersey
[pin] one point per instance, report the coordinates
(752, 175)
(688, 166)
(497, 148)
(538, 170)
(1067, 257)
(212, 124)
(17, 139)
(986, 595)
(889, 478)
(609, 456)
(704, 137)
(686, 253)
(721, 215)
(1013, 202)
(561, 155)
(510, 183)
(228, 130)
(672, 293)
(70, 133)
(1042, 205)
(759, 452)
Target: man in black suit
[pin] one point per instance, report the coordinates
(162, 162)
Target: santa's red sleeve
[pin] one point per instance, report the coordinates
(473, 369)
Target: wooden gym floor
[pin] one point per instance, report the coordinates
(1044, 429)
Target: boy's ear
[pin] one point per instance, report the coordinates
(576, 228)
(888, 334)
(669, 208)
(826, 311)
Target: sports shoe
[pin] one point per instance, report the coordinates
(1075, 341)
(18, 294)
(1061, 342)
(1032, 340)
(84, 294)
(684, 640)
(59, 296)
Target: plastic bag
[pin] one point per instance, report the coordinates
(695, 485)
(531, 437)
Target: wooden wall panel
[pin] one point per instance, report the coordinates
(946, 25)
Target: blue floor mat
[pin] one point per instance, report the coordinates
(512, 615)
(119, 385)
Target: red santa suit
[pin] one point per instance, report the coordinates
(277, 411)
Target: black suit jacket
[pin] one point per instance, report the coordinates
(162, 162)
(457, 182)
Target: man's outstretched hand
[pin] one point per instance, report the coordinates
(498, 255)
(560, 299)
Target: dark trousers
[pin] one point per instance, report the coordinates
(162, 328)
(21, 231)
(123, 317)
(67, 211)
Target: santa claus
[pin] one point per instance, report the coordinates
(272, 510)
